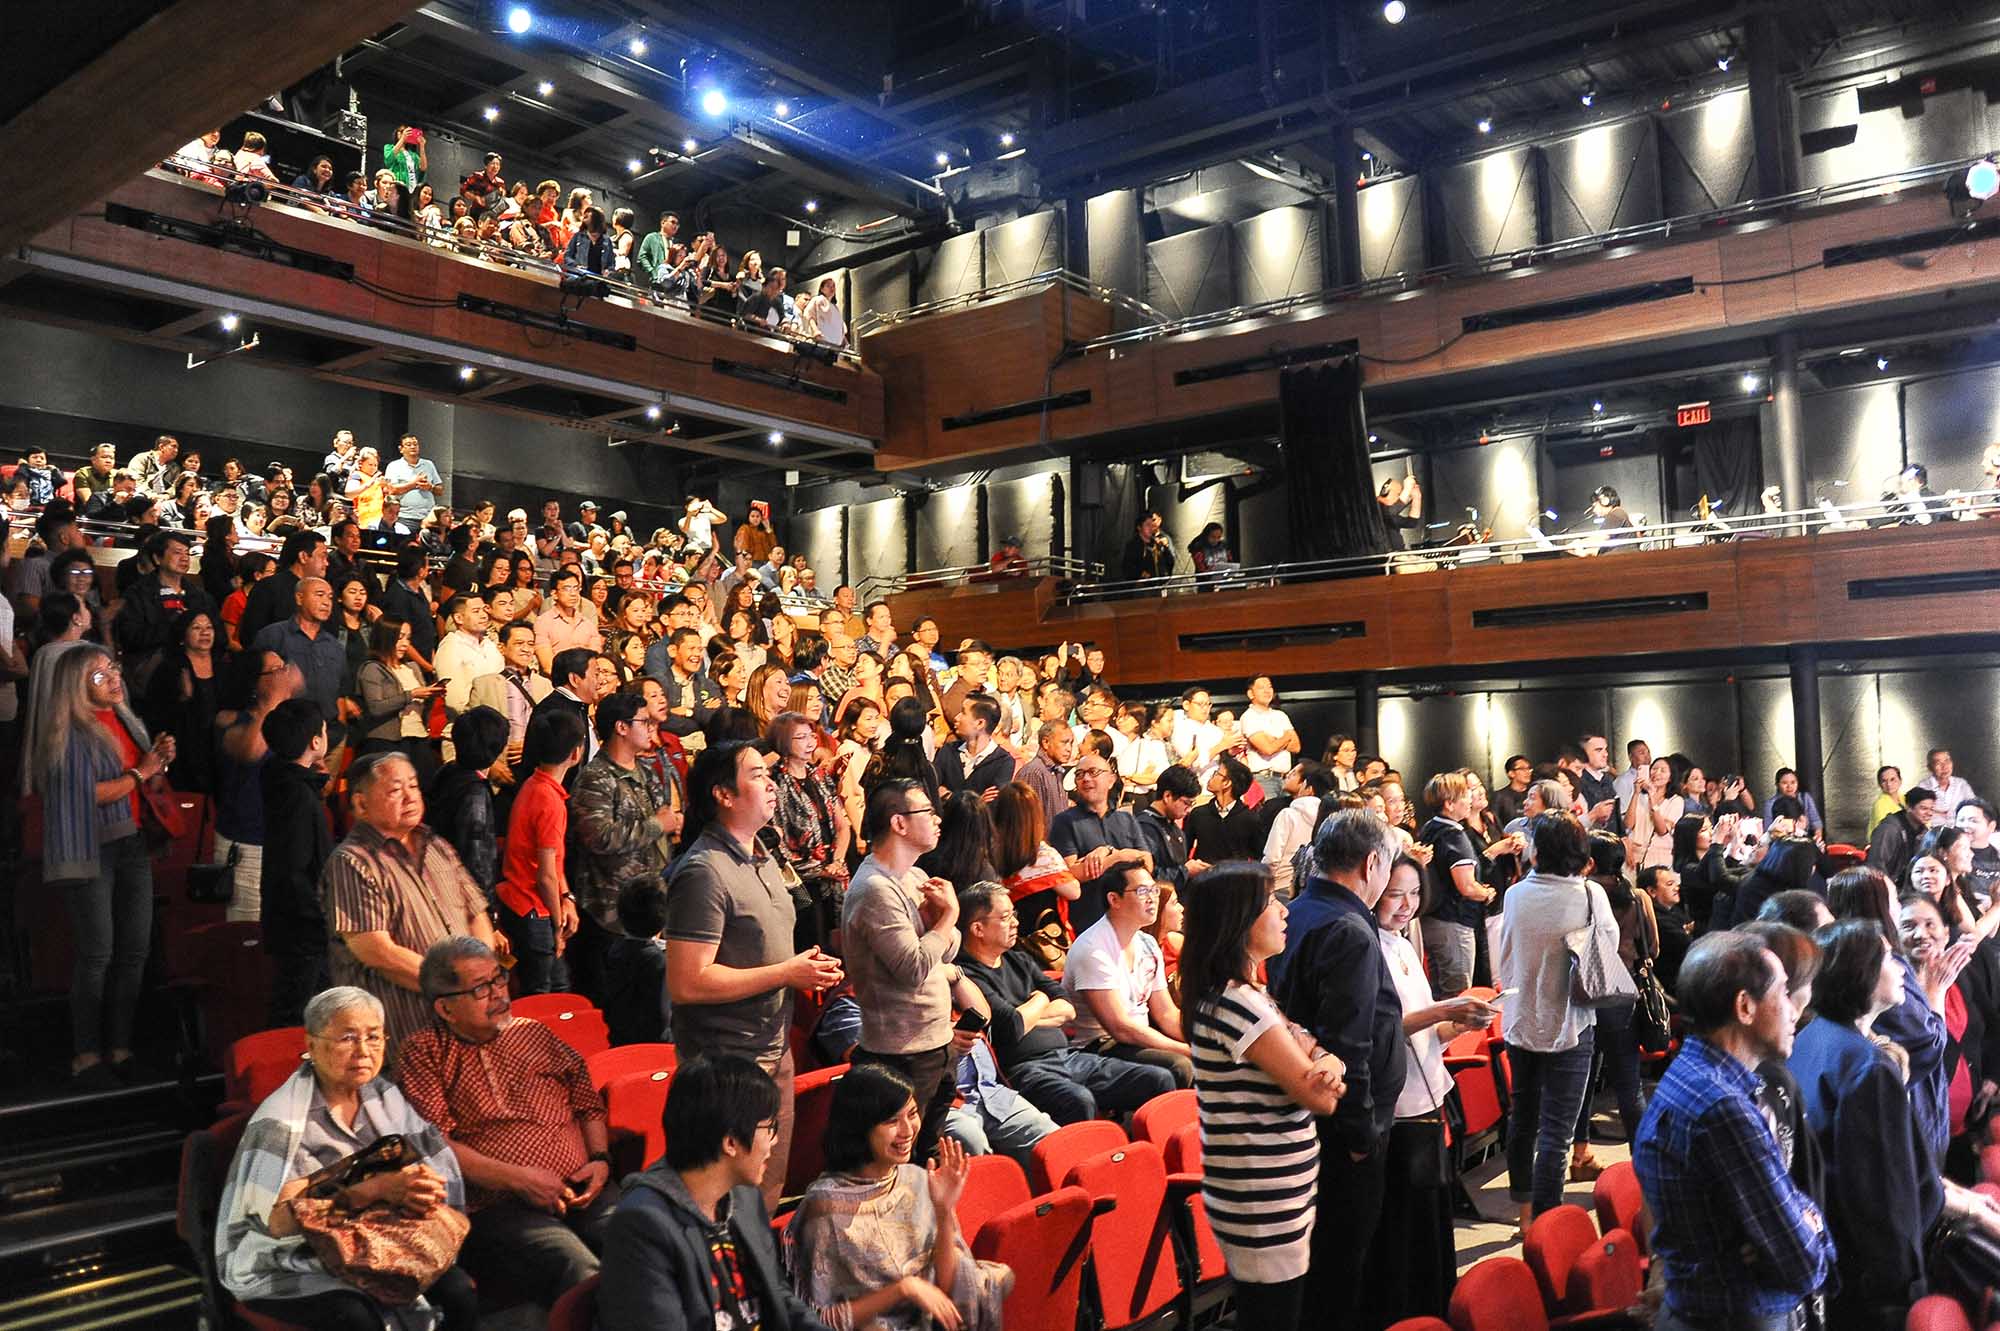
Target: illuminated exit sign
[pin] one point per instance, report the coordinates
(1693, 413)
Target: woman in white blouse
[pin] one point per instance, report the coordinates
(1656, 806)
(822, 318)
(1414, 1263)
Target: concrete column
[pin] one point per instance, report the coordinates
(1803, 659)
(1787, 434)
(1344, 251)
(1773, 124)
(1368, 712)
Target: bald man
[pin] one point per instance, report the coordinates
(305, 641)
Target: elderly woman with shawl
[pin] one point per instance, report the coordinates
(875, 1242)
(333, 1106)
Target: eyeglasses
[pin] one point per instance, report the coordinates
(921, 808)
(106, 673)
(481, 991)
(354, 1040)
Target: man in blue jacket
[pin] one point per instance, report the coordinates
(690, 1246)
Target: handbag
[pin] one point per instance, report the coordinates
(1597, 978)
(387, 1255)
(162, 819)
(1427, 1159)
(214, 884)
(1652, 1022)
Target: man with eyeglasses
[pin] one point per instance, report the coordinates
(1096, 840)
(899, 928)
(529, 1129)
(1507, 800)
(1116, 977)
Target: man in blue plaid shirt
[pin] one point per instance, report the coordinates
(1741, 1246)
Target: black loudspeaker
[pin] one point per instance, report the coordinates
(1090, 486)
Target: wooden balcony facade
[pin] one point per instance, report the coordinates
(1702, 602)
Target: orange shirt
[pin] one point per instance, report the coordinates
(540, 821)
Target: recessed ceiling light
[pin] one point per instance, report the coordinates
(1006, 140)
(544, 88)
(635, 166)
(1374, 438)
(491, 113)
(1395, 11)
(465, 372)
(229, 322)
(1749, 383)
(1597, 408)
(519, 20)
(1588, 97)
(1367, 156)
(1722, 62)
(944, 159)
(637, 46)
(688, 146)
(781, 110)
(812, 205)
(1881, 362)
(714, 102)
(1485, 125)
(775, 438)
(653, 413)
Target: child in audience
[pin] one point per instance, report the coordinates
(635, 966)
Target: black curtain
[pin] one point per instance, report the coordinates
(1729, 466)
(1330, 491)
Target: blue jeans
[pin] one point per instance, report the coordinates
(1072, 1085)
(1618, 1055)
(1548, 1095)
(112, 918)
(537, 970)
(982, 1132)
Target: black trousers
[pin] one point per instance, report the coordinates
(453, 1296)
(933, 1076)
(1349, 1210)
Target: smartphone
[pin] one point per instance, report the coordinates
(971, 1021)
(1506, 994)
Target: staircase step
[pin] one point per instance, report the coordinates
(88, 1164)
(152, 1295)
(45, 1240)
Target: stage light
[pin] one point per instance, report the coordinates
(714, 102)
(635, 166)
(1982, 180)
(1395, 11)
(1006, 140)
(944, 159)
(1723, 61)
(637, 46)
(1374, 438)
(812, 205)
(1749, 383)
(1597, 408)
(1485, 125)
(1589, 96)
(544, 88)
(653, 412)
(1881, 362)
(781, 110)
(465, 372)
(229, 322)
(775, 438)
(492, 113)
(688, 146)
(519, 20)
(1367, 156)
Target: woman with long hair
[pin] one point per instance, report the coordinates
(783, 641)
(1617, 1046)
(1789, 864)
(1708, 882)
(875, 1241)
(1923, 936)
(903, 754)
(770, 693)
(181, 698)
(810, 828)
(349, 626)
(527, 593)
(218, 557)
(1032, 871)
(731, 677)
(395, 699)
(90, 754)
(860, 723)
(745, 633)
(1657, 807)
(964, 850)
(1259, 1080)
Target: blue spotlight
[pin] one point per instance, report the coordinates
(519, 20)
(713, 102)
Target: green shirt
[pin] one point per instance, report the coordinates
(653, 257)
(402, 163)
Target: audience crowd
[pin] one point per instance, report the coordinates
(454, 762)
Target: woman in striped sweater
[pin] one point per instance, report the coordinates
(1258, 1080)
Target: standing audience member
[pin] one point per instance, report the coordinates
(529, 1130)
(731, 969)
(1116, 978)
(536, 908)
(1096, 840)
(458, 805)
(1737, 1242)
(1333, 981)
(1160, 823)
(1895, 838)
(1455, 904)
(623, 828)
(1225, 828)
(1952, 790)
(299, 839)
(899, 932)
(306, 642)
(1259, 1080)
(1268, 733)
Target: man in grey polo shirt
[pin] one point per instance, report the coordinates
(305, 641)
(731, 969)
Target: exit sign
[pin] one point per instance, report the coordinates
(1693, 413)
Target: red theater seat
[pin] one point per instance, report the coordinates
(1045, 1241)
(607, 1065)
(993, 1183)
(1132, 1261)
(1499, 1294)
(1056, 1154)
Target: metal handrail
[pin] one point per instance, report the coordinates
(1083, 286)
(635, 296)
(1823, 517)
(1043, 566)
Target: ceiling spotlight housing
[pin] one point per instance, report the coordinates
(544, 88)
(637, 46)
(1485, 124)
(519, 20)
(1395, 11)
(229, 322)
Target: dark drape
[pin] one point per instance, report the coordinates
(1330, 491)
(1729, 466)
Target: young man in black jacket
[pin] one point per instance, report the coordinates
(297, 840)
(690, 1245)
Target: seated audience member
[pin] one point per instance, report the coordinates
(875, 1241)
(334, 1105)
(536, 909)
(1096, 839)
(690, 1244)
(1029, 1014)
(1226, 828)
(298, 839)
(1978, 820)
(1895, 837)
(1952, 790)
(517, 1108)
(1804, 911)
(1738, 1244)
(459, 804)
(1884, 1191)
(392, 888)
(1116, 979)
(634, 982)
(1676, 925)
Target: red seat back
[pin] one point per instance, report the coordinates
(1608, 1275)
(993, 1183)
(1162, 1116)
(1132, 1247)
(542, 1006)
(1499, 1294)
(607, 1065)
(813, 1095)
(576, 1310)
(1937, 1312)
(1056, 1154)
(235, 999)
(1183, 1150)
(1421, 1324)
(1621, 1204)
(1479, 1097)
(1044, 1241)
(633, 1103)
(258, 1064)
(570, 1016)
(1555, 1241)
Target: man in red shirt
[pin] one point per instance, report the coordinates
(519, 1110)
(537, 912)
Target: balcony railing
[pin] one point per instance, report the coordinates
(606, 286)
(1046, 566)
(1586, 538)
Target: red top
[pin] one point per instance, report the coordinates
(540, 819)
(128, 752)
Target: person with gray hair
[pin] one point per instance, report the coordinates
(393, 887)
(1333, 980)
(335, 1103)
(519, 1109)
